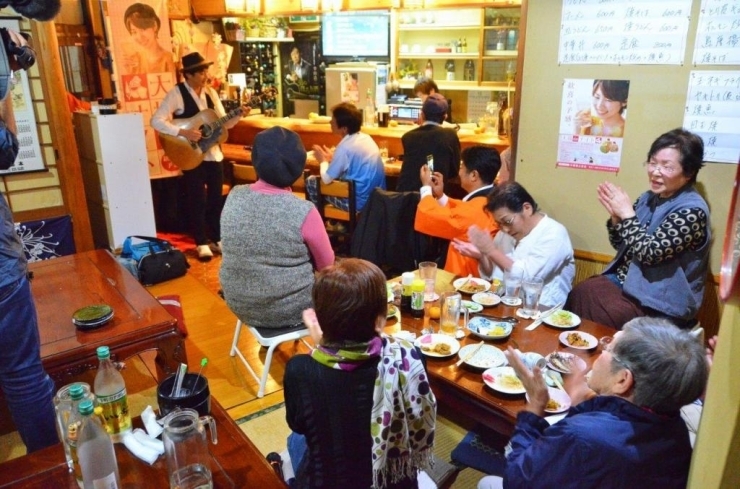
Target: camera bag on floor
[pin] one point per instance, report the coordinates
(156, 259)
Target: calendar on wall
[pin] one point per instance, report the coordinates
(29, 152)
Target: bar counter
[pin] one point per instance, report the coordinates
(320, 133)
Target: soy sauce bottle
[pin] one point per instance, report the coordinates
(407, 278)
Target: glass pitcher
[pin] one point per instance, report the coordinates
(186, 449)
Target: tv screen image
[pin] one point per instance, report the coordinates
(363, 34)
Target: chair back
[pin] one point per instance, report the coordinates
(340, 189)
(243, 173)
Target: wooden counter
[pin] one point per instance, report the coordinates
(245, 130)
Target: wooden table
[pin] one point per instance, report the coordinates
(235, 463)
(462, 388)
(65, 284)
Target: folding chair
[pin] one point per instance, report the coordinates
(270, 339)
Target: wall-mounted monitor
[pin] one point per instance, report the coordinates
(359, 34)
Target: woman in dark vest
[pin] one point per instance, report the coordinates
(662, 242)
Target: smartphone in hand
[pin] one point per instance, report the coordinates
(430, 163)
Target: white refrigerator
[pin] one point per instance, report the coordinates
(349, 82)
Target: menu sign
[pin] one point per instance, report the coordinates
(718, 33)
(624, 31)
(713, 112)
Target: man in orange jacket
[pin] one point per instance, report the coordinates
(443, 217)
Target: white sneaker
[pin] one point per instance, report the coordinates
(204, 253)
(215, 247)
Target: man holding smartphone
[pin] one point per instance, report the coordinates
(430, 139)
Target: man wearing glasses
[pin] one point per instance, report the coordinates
(623, 428)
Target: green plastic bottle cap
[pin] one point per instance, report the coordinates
(103, 352)
(86, 407)
(417, 285)
(76, 392)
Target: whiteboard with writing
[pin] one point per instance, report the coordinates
(624, 31)
(713, 112)
(718, 33)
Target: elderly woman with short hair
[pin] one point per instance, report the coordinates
(360, 405)
(662, 242)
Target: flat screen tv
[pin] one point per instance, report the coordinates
(359, 34)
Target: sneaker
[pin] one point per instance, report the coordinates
(215, 247)
(204, 253)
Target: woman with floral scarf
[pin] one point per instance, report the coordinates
(360, 405)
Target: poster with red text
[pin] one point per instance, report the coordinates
(592, 123)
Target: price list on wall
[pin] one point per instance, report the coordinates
(624, 31)
(718, 33)
(713, 112)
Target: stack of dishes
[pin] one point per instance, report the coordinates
(91, 317)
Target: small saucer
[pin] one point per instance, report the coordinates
(509, 302)
(435, 297)
(521, 314)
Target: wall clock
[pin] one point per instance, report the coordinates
(728, 284)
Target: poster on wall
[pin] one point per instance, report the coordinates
(717, 33)
(301, 63)
(144, 67)
(624, 31)
(713, 112)
(29, 152)
(593, 117)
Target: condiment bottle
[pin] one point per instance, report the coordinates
(417, 298)
(95, 451)
(76, 394)
(429, 70)
(110, 390)
(407, 278)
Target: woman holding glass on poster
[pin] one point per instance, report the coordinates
(605, 114)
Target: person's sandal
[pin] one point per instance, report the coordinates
(276, 461)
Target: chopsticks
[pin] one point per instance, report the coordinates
(469, 355)
(543, 316)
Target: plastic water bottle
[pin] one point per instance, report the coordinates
(95, 451)
(369, 109)
(110, 390)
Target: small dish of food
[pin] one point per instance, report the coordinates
(503, 379)
(488, 329)
(562, 319)
(438, 345)
(559, 401)
(578, 340)
(471, 285)
(565, 363)
(486, 299)
(472, 306)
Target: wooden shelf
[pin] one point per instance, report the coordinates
(464, 85)
(438, 56)
(426, 27)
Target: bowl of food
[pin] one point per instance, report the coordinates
(471, 285)
(488, 329)
(486, 299)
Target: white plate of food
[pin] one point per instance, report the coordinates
(559, 401)
(503, 379)
(487, 356)
(392, 311)
(438, 345)
(486, 299)
(489, 329)
(471, 285)
(562, 319)
(565, 363)
(472, 306)
(578, 340)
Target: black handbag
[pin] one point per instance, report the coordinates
(162, 262)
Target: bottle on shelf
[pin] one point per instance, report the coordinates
(500, 40)
(503, 105)
(369, 109)
(465, 45)
(95, 451)
(110, 390)
(512, 38)
(458, 46)
(429, 70)
(469, 71)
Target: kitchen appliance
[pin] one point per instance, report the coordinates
(350, 81)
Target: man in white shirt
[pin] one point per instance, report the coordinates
(204, 183)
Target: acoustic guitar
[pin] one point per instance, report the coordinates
(187, 154)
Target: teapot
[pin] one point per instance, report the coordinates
(186, 449)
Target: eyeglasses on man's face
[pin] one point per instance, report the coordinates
(607, 345)
(506, 221)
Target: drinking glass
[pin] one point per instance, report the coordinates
(512, 287)
(450, 316)
(428, 273)
(532, 289)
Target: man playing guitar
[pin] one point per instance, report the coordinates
(186, 100)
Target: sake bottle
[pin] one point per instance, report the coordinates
(110, 389)
(369, 109)
(72, 430)
(429, 70)
(95, 452)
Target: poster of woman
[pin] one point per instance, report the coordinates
(592, 123)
